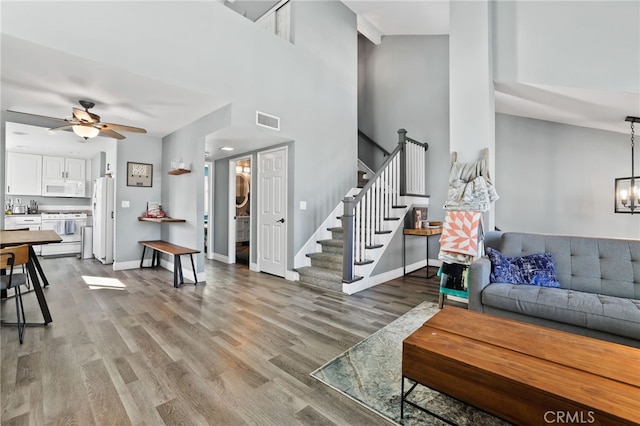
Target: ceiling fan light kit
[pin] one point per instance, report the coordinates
(85, 131)
(88, 125)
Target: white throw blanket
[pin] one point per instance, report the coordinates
(470, 187)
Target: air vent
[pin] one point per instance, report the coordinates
(266, 120)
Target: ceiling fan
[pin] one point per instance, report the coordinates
(88, 125)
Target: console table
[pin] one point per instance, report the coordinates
(422, 232)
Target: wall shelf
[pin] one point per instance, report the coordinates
(179, 171)
(160, 219)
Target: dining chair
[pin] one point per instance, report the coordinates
(9, 258)
(24, 267)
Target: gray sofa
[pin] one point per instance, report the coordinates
(599, 294)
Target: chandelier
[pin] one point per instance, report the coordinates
(627, 190)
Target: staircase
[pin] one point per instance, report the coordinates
(326, 266)
(372, 214)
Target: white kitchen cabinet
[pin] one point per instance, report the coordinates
(63, 168)
(10, 222)
(75, 168)
(24, 174)
(30, 222)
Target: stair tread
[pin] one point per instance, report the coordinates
(324, 255)
(331, 242)
(374, 246)
(322, 273)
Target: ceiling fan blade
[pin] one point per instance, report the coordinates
(67, 127)
(85, 116)
(36, 115)
(122, 127)
(110, 133)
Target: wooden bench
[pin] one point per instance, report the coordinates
(160, 246)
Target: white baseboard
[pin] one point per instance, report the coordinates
(387, 276)
(357, 286)
(132, 264)
(435, 262)
(254, 267)
(187, 273)
(221, 258)
(291, 276)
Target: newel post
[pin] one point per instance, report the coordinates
(347, 238)
(402, 141)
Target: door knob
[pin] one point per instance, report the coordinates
(281, 220)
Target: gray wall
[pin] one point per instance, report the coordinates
(311, 85)
(588, 44)
(128, 230)
(406, 85)
(98, 165)
(558, 179)
(312, 88)
(182, 195)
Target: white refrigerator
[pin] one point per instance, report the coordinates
(103, 206)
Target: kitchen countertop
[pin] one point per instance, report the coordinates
(88, 212)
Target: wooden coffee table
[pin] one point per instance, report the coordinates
(522, 373)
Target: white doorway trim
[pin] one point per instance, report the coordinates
(259, 208)
(231, 238)
(210, 238)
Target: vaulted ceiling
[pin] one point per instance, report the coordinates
(53, 58)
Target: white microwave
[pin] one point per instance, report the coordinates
(63, 188)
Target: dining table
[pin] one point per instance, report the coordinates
(34, 268)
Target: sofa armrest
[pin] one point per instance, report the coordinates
(479, 273)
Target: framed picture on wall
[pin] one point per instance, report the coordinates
(139, 174)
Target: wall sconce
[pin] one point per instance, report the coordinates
(627, 190)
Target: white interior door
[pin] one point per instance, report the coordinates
(272, 211)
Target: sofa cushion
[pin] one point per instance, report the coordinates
(595, 265)
(535, 269)
(615, 315)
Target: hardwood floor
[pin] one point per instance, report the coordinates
(127, 348)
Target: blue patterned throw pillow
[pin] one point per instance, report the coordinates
(533, 269)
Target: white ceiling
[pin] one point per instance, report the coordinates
(40, 140)
(413, 17)
(91, 57)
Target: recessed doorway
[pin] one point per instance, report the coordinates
(240, 206)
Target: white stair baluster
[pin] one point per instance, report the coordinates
(357, 232)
